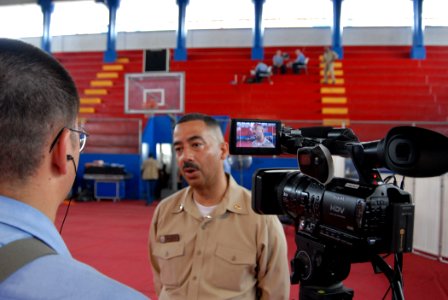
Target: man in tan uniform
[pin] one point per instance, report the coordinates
(150, 174)
(329, 58)
(206, 242)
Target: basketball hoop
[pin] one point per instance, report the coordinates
(151, 104)
(154, 93)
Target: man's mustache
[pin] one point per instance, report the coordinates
(190, 165)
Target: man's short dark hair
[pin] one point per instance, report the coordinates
(209, 121)
(37, 98)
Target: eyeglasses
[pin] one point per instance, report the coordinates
(82, 137)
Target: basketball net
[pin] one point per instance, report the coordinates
(152, 106)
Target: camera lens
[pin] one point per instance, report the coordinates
(296, 194)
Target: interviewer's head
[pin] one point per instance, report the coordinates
(37, 98)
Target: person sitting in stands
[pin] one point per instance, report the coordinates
(299, 62)
(261, 70)
(278, 62)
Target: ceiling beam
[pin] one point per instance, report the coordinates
(20, 2)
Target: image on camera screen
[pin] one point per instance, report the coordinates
(255, 136)
(258, 135)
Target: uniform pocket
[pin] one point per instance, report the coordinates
(233, 269)
(171, 258)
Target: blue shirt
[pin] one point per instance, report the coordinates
(300, 59)
(277, 60)
(261, 67)
(53, 276)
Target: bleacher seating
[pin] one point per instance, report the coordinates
(209, 88)
(379, 83)
(101, 85)
(375, 83)
(101, 89)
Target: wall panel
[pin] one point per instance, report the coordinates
(243, 38)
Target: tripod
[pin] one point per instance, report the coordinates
(320, 268)
(394, 275)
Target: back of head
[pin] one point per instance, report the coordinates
(37, 98)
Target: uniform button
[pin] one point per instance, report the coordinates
(233, 258)
(166, 253)
(199, 252)
(194, 278)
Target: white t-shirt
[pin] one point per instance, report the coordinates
(205, 210)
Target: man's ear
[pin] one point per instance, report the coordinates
(59, 153)
(224, 150)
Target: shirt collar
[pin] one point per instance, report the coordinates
(30, 221)
(232, 201)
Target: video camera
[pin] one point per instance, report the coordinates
(340, 221)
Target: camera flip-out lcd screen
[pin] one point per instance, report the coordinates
(258, 137)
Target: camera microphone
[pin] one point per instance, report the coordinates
(327, 132)
(335, 139)
(415, 152)
(319, 132)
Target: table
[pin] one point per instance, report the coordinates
(108, 186)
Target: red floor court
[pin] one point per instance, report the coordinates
(112, 237)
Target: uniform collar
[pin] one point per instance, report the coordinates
(233, 201)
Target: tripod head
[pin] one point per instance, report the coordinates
(320, 269)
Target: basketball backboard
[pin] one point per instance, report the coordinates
(155, 92)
